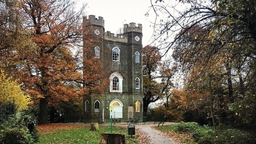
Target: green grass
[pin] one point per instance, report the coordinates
(82, 136)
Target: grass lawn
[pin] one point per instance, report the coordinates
(77, 134)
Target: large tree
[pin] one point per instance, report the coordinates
(47, 66)
(157, 76)
(42, 46)
(214, 41)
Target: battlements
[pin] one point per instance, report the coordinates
(123, 36)
(115, 37)
(95, 21)
(132, 27)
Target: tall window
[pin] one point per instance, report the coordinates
(115, 83)
(137, 83)
(137, 106)
(97, 52)
(86, 106)
(137, 57)
(115, 54)
(96, 106)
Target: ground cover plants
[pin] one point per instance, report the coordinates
(77, 134)
(193, 133)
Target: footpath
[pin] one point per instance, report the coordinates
(153, 135)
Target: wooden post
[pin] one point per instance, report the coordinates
(109, 138)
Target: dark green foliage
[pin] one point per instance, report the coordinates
(183, 127)
(207, 135)
(6, 110)
(18, 128)
(245, 110)
(15, 131)
(228, 136)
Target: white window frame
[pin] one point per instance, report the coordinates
(120, 82)
(115, 83)
(97, 52)
(115, 54)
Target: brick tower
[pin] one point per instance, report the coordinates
(122, 65)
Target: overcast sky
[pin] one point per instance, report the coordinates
(119, 12)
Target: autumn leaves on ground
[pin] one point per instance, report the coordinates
(49, 128)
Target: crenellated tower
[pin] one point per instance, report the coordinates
(93, 32)
(133, 32)
(121, 57)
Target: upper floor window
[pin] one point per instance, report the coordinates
(137, 83)
(137, 57)
(115, 54)
(96, 106)
(97, 52)
(116, 82)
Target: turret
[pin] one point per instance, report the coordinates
(95, 21)
(132, 27)
(133, 32)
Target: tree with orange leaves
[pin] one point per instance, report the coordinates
(48, 68)
(157, 79)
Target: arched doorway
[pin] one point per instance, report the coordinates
(116, 108)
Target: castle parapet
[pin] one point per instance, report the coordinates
(132, 27)
(115, 37)
(95, 21)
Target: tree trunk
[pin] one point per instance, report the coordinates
(112, 139)
(212, 103)
(43, 116)
(145, 106)
(230, 87)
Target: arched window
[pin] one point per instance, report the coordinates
(86, 106)
(97, 52)
(137, 57)
(137, 83)
(115, 54)
(115, 83)
(96, 106)
(137, 106)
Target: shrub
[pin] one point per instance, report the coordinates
(18, 129)
(207, 135)
(10, 92)
(183, 127)
(235, 136)
(203, 135)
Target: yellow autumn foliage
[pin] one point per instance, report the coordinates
(10, 91)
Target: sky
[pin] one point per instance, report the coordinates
(116, 13)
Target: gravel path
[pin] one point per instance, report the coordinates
(154, 136)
